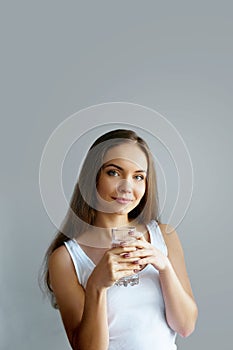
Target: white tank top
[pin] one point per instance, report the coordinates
(136, 314)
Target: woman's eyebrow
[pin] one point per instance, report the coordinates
(114, 165)
(120, 168)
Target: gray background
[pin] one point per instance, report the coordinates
(60, 56)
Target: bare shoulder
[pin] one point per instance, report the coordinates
(61, 267)
(60, 258)
(171, 239)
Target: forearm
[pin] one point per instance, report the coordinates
(181, 310)
(92, 333)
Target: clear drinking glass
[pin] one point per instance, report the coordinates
(119, 235)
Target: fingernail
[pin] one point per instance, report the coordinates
(136, 261)
(127, 255)
(131, 233)
(135, 270)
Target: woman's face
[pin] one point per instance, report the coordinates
(122, 181)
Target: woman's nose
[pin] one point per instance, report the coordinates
(124, 186)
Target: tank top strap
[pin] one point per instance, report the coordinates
(156, 237)
(82, 263)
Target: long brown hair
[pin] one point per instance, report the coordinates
(82, 210)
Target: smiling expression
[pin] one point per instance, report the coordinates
(122, 181)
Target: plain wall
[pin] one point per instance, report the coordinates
(58, 57)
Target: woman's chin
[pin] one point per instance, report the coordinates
(114, 208)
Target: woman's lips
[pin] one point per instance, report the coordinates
(122, 200)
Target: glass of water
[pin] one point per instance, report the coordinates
(119, 235)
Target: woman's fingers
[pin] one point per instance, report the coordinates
(126, 266)
(137, 235)
(122, 267)
(132, 256)
(139, 243)
(122, 249)
(141, 253)
(124, 273)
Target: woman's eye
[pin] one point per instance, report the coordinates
(139, 177)
(112, 173)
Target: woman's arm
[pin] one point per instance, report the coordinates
(92, 332)
(84, 312)
(180, 307)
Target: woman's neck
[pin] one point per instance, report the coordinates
(99, 235)
(111, 220)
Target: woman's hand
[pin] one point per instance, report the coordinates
(146, 253)
(115, 264)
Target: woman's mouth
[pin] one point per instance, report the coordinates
(122, 200)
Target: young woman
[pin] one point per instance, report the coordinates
(117, 187)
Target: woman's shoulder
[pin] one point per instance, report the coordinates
(171, 239)
(166, 228)
(168, 231)
(60, 257)
(61, 267)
